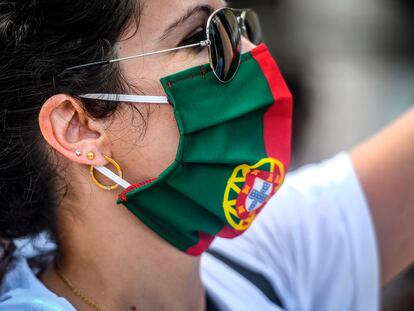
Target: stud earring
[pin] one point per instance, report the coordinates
(78, 153)
(90, 156)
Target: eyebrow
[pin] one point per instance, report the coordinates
(180, 21)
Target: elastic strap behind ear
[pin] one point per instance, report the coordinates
(112, 176)
(127, 98)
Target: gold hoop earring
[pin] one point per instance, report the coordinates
(101, 185)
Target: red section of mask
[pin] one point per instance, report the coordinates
(204, 242)
(278, 119)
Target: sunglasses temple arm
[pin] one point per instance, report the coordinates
(201, 43)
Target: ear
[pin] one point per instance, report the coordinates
(66, 127)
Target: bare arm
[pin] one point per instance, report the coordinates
(385, 166)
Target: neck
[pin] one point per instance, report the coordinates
(122, 265)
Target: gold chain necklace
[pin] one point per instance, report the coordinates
(75, 291)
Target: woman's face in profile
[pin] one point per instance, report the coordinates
(147, 145)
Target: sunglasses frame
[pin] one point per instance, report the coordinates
(208, 36)
(240, 17)
(241, 29)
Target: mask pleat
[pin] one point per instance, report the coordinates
(228, 143)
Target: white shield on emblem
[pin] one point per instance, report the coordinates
(259, 194)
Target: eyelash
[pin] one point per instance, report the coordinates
(195, 37)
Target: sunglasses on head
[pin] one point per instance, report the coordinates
(224, 31)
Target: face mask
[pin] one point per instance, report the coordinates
(232, 157)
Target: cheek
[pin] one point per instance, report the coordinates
(162, 138)
(156, 151)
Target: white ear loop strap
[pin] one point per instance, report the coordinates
(112, 176)
(127, 98)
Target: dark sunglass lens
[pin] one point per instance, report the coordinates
(253, 28)
(226, 44)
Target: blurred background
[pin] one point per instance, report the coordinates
(350, 66)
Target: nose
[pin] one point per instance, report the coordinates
(247, 46)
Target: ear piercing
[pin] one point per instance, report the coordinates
(90, 156)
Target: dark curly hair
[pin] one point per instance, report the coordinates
(38, 40)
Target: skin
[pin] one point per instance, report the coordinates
(113, 258)
(384, 165)
(99, 241)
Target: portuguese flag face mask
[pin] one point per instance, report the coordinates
(232, 157)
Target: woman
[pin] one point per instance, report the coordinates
(199, 156)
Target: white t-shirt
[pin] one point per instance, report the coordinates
(314, 242)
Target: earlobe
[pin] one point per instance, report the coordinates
(68, 130)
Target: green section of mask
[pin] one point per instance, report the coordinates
(221, 127)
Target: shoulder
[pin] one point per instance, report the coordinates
(21, 290)
(314, 241)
